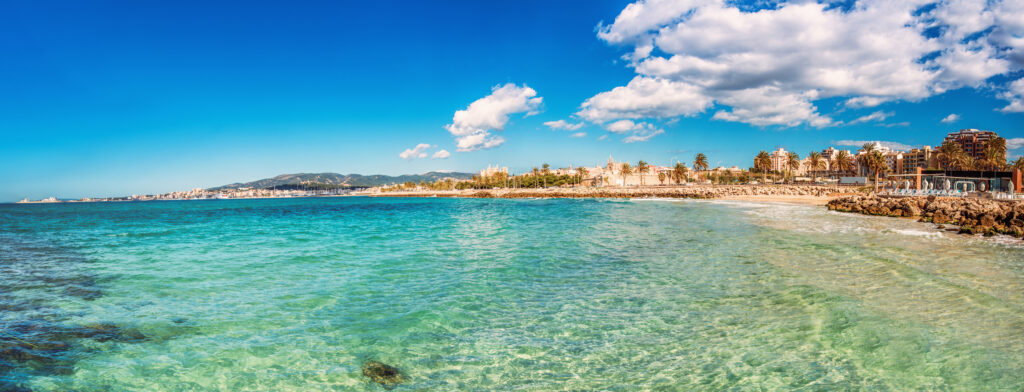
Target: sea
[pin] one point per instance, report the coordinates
(501, 295)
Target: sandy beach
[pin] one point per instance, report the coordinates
(797, 194)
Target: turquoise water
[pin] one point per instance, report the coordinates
(526, 295)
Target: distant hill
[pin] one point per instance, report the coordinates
(346, 180)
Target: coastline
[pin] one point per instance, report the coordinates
(818, 195)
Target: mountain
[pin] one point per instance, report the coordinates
(347, 180)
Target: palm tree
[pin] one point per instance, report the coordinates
(661, 177)
(763, 163)
(816, 162)
(994, 154)
(625, 171)
(842, 162)
(546, 169)
(582, 173)
(875, 162)
(679, 172)
(642, 168)
(793, 161)
(953, 157)
(700, 163)
(1018, 164)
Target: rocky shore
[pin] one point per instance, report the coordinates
(821, 192)
(972, 215)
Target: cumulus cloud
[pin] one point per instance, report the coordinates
(472, 126)
(951, 118)
(1014, 94)
(563, 125)
(621, 126)
(769, 67)
(416, 152)
(1014, 143)
(441, 154)
(645, 97)
(578, 134)
(891, 145)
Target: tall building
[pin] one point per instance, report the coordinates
(924, 158)
(780, 160)
(972, 141)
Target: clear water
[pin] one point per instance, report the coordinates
(526, 295)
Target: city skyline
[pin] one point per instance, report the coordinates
(141, 98)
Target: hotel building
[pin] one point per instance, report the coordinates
(972, 141)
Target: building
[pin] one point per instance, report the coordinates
(893, 159)
(972, 141)
(924, 158)
(493, 170)
(780, 160)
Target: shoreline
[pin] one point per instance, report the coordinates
(817, 195)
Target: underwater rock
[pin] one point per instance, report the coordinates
(386, 375)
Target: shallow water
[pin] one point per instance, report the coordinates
(530, 295)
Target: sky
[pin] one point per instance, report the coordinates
(117, 98)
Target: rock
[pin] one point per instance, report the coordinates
(966, 230)
(386, 375)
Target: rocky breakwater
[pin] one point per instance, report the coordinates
(686, 192)
(972, 215)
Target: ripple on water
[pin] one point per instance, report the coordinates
(514, 294)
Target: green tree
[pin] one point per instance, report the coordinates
(1018, 164)
(793, 162)
(642, 168)
(952, 156)
(700, 163)
(661, 177)
(994, 154)
(679, 173)
(625, 170)
(763, 163)
(582, 173)
(842, 162)
(816, 163)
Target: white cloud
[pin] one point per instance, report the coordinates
(638, 132)
(1015, 95)
(602, 137)
(1014, 143)
(645, 97)
(563, 125)
(621, 126)
(951, 118)
(891, 145)
(769, 67)
(416, 152)
(643, 135)
(441, 154)
(578, 134)
(472, 127)
(876, 116)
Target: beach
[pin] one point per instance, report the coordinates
(798, 194)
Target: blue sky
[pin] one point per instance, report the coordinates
(115, 98)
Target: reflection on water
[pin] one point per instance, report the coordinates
(500, 294)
